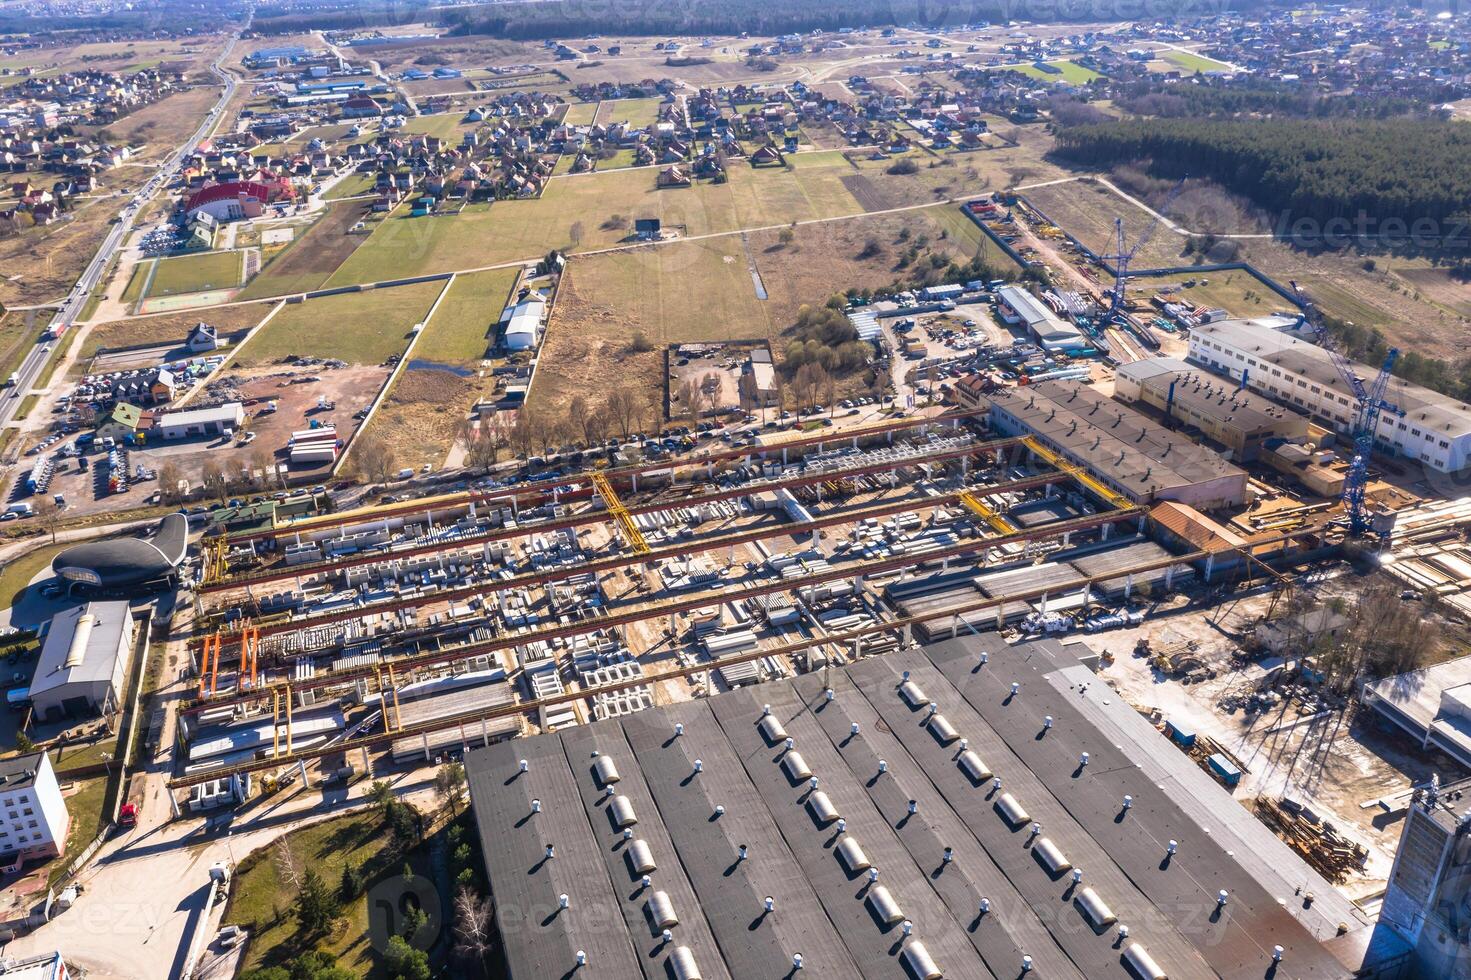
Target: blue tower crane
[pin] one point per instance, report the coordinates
(1123, 255)
(1368, 404)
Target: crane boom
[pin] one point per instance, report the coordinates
(1369, 403)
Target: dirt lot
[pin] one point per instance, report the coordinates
(723, 363)
(307, 262)
(606, 299)
(169, 328)
(420, 417)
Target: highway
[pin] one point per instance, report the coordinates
(35, 362)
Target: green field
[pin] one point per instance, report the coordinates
(1194, 62)
(968, 237)
(445, 125)
(134, 289)
(619, 159)
(461, 328)
(636, 113)
(196, 273)
(580, 114)
(1068, 71)
(819, 158)
(360, 328)
(351, 186)
(571, 214)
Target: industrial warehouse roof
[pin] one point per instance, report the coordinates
(1115, 441)
(1208, 395)
(1269, 342)
(96, 631)
(689, 822)
(120, 562)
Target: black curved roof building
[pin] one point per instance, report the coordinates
(118, 564)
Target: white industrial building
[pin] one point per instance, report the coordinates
(83, 660)
(1430, 428)
(201, 421)
(33, 816)
(1017, 306)
(521, 324)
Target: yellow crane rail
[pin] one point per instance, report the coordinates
(215, 566)
(620, 514)
(987, 513)
(1109, 496)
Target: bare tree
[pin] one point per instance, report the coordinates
(521, 435)
(215, 481)
(596, 423)
(47, 515)
(473, 936)
(711, 386)
(483, 442)
(688, 398)
(260, 468)
(625, 411)
(374, 459)
(168, 482)
(809, 383)
(577, 413)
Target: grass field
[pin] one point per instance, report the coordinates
(443, 379)
(84, 807)
(306, 263)
(445, 125)
(134, 289)
(1067, 71)
(1237, 292)
(360, 328)
(196, 273)
(262, 894)
(572, 212)
(580, 114)
(170, 327)
(637, 113)
(351, 186)
(1194, 62)
(459, 332)
(703, 291)
(16, 339)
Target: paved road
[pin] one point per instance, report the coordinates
(35, 362)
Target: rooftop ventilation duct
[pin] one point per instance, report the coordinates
(913, 693)
(796, 767)
(661, 910)
(1012, 810)
(682, 962)
(971, 763)
(1051, 856)
(941, 728)
(1142, 963)
(921, 964)
(822, 808)
(852, 856)
(1098, 914)
(622, 812)
(772, 730)
(641, 857)
(605, 771)
(883, 905)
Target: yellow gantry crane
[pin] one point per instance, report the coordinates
(620, 514)
(987, 513)
(1109, 496)
(215, 566)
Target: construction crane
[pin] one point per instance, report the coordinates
(1123, 256)
(1368, 404)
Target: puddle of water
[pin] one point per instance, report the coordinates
(460, 371)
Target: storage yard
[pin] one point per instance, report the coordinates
(431, 625)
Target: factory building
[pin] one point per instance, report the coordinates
(33, 816)
(521, 325)
(201, 421)
(1018, 306)
(1429, 889)
(1429, 428)
(125, 565)
(1223, 412)
(910, 820)
(1433, 704)
(83, 661)
(1129, 452)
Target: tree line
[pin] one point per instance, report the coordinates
(1260, 97)
(1400, 170)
